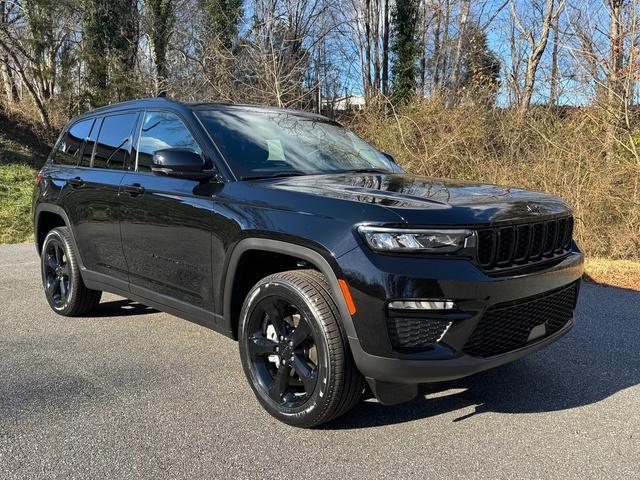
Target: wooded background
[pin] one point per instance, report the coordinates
(539, 94)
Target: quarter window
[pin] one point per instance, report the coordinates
(70, 145)
(161, 130)
(114, 141)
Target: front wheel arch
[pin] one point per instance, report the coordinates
(313, 258)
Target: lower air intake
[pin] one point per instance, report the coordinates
(506, 327)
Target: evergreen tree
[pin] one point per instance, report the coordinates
(161, 18)
(221, 20)
(480, 68)
(111, 38)
(405, 49)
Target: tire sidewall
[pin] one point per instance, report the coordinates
(317, 403)
(56, 235)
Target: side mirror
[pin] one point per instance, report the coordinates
(390, 157)
(181, 163)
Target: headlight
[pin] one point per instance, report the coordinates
(407, 240)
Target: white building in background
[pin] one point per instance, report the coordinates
(342, 104)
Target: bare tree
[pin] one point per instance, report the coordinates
(8, 82)
(537, 43)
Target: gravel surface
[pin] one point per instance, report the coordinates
(135, 393)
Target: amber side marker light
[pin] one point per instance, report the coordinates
(347, 296)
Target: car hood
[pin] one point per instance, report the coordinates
(423, 201)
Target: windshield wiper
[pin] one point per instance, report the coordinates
(366, 170)
(274, 175)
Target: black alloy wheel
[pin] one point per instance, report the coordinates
(283, 351)
(294, 351)
(56, 273)
(63, 285)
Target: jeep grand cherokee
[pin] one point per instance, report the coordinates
(332, 267)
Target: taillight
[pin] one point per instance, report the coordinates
(39, 177)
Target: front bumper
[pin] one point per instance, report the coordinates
(396, 370)
(394, 277)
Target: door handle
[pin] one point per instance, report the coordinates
(133, 190)
(75, 182)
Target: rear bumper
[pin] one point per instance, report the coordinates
(396, 370)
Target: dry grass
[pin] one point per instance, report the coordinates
(615, 273)
(559, 152)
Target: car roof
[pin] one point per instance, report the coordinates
(164, 102)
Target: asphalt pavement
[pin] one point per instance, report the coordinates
(135, 393)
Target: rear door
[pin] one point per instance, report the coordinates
(166, 222)
(65, 159)
(92, 201)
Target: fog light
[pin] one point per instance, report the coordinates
(422, 305)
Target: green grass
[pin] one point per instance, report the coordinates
(16, 187)
(17, 177)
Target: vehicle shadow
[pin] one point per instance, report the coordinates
(121, 308)
(594, 361)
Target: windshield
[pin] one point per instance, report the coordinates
(263, 144)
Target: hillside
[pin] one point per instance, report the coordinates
(22, 151)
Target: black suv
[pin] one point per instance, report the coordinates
(332, 267)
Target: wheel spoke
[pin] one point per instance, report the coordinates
(51, 286)
(280, 383)
(58, 252)
(50, 262)
(63, 288)
(65, 269)
(301, 333)
(260, 346)
(306, 374)
(276, 316)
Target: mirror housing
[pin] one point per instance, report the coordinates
(390, 157)
(180, 163)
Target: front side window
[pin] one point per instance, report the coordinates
(69, 148)
(268, 143)
(114, 141)
(161, 130)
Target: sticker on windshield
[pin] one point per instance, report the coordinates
(276, 153)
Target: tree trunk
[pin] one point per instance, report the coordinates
(8, 83)
(377, 67)
(442, 59)
(367, 48)
(617, 96)
(423, 52)
(457, 61)
(553, 88)
(435, 74)
(385, 50)
(44, 116)
(533, 61)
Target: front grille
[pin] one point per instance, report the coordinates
(506, 327)
(415, 333)
(520, 245)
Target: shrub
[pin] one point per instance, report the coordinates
(559, 151)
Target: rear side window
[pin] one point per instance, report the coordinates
(114, 141)
(69, 148)
(162, 130)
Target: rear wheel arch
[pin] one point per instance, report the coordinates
(47, 217)
(236, 287)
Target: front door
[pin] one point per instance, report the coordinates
(167, 222)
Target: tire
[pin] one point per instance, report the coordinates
(294, 351)
(63, 285)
